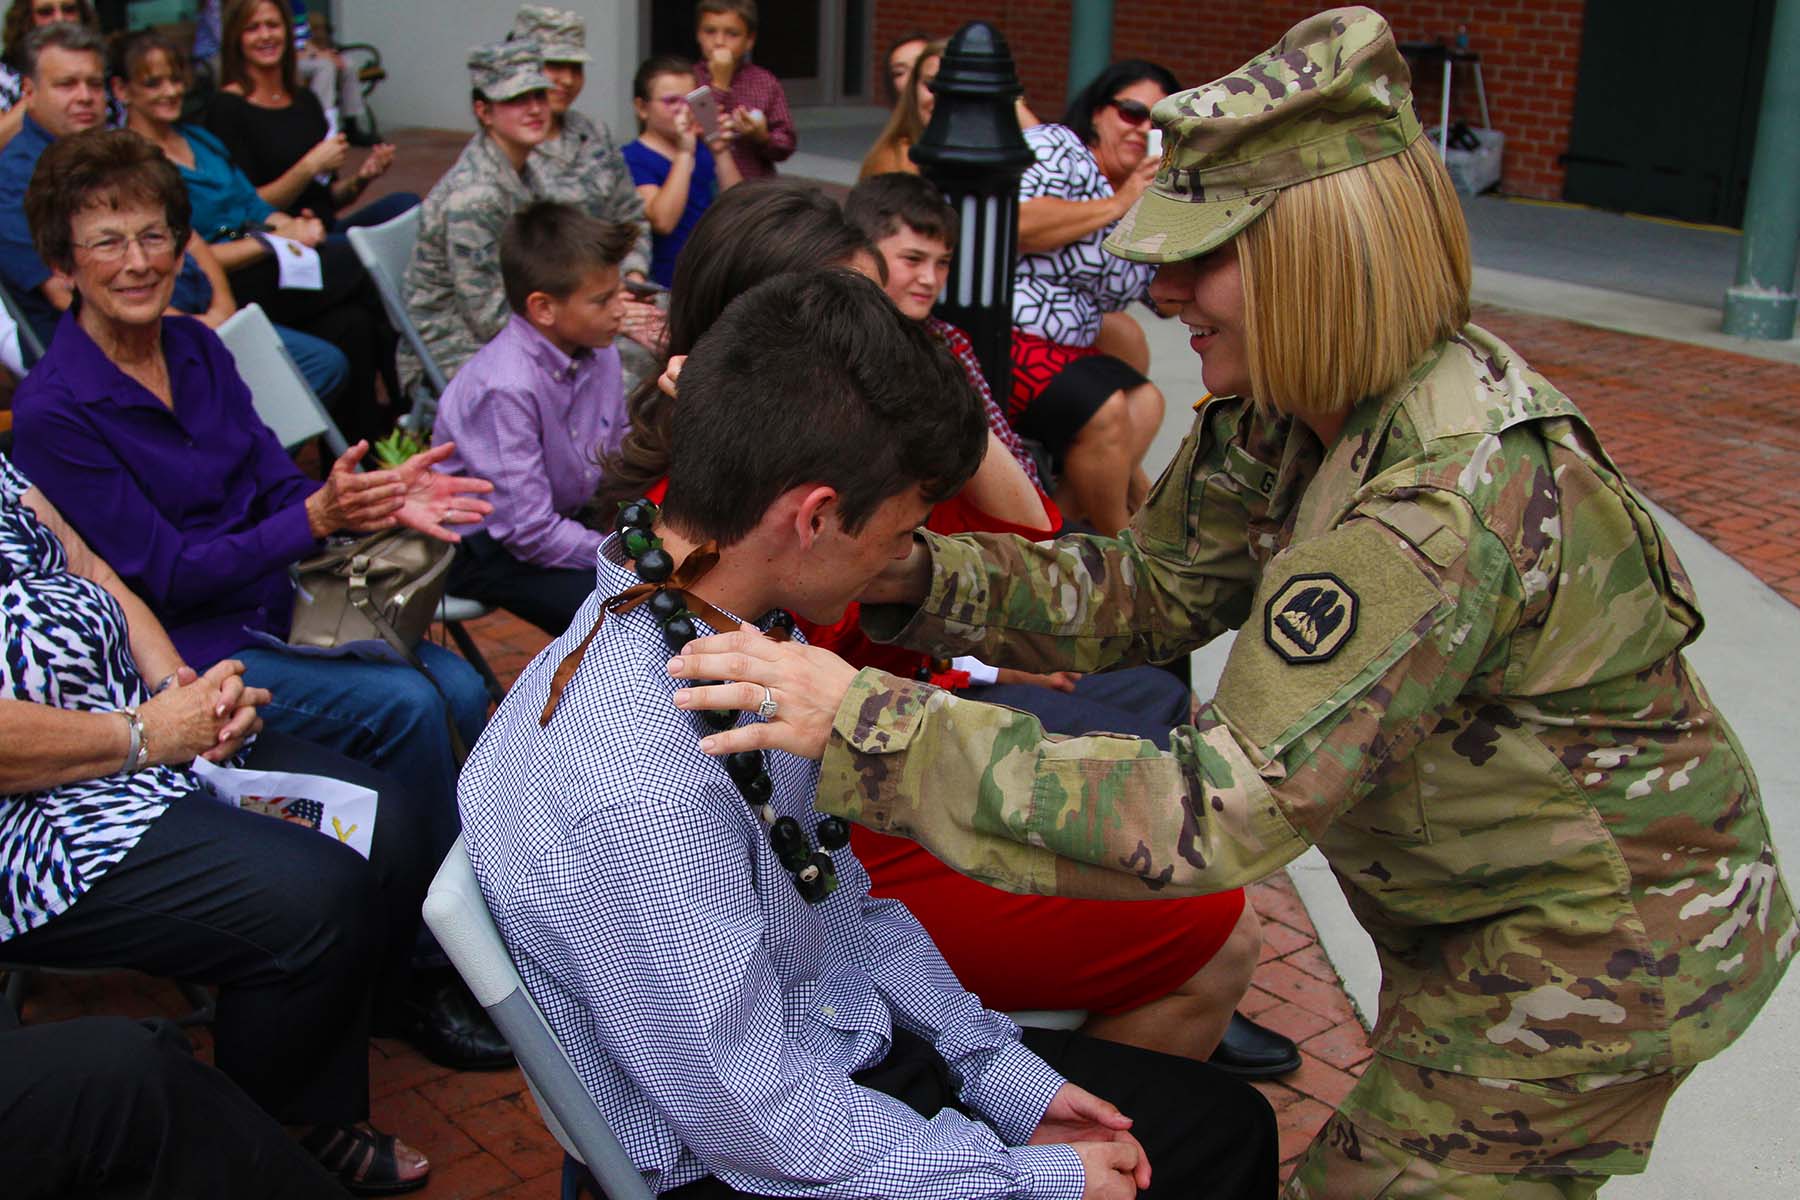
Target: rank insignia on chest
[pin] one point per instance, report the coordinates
(1310, 618)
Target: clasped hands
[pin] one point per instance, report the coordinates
(412, 494)
(1114, 1161)
(202, 716)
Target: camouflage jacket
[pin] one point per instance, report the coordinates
(1459, 675)
(582, 166)
(452, 286)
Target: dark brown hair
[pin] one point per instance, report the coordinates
(101, 167)
(129, 50)
(18, 25)
(549, 247)
(881, 204)
(816, 378)
(656, 68)
(751, 233)
(1100, 91)
(232, 68)
(905, 124)
(888, 91)
(743, 8)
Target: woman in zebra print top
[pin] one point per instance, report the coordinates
(114, 853)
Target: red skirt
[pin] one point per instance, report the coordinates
(1035, 362)
(1047, 952)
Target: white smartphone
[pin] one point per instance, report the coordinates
(705, 108)
(1153, 144)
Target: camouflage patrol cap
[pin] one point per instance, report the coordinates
(1333, 93)
(560, 33)
(508, 70)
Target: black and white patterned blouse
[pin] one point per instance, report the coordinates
(1060, 295)
(64, 643)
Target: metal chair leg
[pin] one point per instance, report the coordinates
(465, 644)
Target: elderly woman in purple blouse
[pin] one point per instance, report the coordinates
(140, 430)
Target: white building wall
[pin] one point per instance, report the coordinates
(425, 43)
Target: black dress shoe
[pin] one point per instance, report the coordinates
(452, 1030)
(1251, 1052)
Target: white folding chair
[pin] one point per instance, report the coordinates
(457, 914)
(1058, 1018)
(280, 393)
(31, 347)
(385, 249)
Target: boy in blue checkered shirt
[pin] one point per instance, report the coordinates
(746, 1027)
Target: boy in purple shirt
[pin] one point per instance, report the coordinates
(535, 409)
(753, 110)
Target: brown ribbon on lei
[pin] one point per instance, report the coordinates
(692, 569)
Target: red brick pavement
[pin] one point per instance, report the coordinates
(1712, 436)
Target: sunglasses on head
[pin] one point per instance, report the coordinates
(1132, 112)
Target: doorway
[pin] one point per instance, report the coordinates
(817, 48)
(1654, 134)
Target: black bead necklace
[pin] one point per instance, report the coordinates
(815, 876)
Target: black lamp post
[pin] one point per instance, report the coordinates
(975, 154)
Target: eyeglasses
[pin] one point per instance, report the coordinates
(1132, 112)
(55, 10)
(114, 247)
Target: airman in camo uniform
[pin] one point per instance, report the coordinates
(452, 287)
(579, 163)
(1459, 674)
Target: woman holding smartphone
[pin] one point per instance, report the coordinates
(677, 162)
(1073, 390)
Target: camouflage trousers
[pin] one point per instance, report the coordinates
(1407, 1133)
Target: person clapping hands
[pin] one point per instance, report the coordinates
(411, 494)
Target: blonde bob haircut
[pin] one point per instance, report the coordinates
(1349, 279)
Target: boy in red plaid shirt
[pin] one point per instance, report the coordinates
(753, 110)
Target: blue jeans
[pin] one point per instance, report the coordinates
(383, 714)
(1142, 702)
(322, 363)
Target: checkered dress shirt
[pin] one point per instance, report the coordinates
(714, 1016)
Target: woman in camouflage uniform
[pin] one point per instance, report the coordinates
(1459, 671)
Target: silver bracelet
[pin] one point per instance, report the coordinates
(137, 754)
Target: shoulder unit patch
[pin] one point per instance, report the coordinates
(1310, 618)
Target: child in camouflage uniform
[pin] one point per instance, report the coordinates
(1459, 671)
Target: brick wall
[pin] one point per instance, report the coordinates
(1530, 52)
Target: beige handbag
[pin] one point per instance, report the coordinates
(383, 587)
